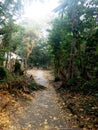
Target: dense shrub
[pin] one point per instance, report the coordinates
(82, 85)
(3, 73)
(90, 86)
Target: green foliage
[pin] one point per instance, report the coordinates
(2, 51)
(24, 40)
(3, 73)
(40, 55)
(9, 12)
(72, 82)
(92, 85)
(73, 41)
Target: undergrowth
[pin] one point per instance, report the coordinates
(18, 84)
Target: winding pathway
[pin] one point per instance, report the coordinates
(44, 112)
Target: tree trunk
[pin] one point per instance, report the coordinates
(72, 58)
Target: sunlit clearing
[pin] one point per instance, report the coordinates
(39, 10)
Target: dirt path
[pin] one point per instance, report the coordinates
(44, 112)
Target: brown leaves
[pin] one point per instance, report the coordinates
(4, 102)
(4, 120)
(84, 109)
(9, 103)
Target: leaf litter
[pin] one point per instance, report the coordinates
(38, 110)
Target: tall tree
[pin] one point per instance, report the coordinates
(8, 11)
(25, 39)
(80, 25)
